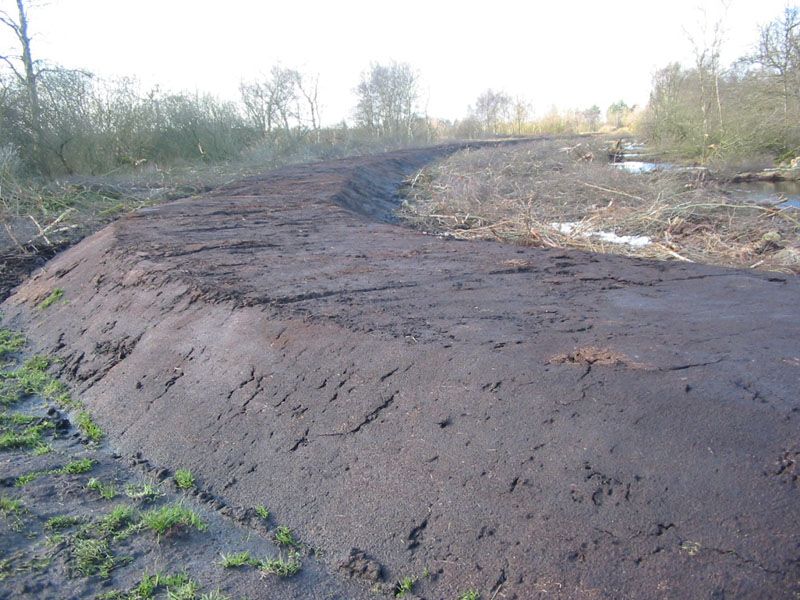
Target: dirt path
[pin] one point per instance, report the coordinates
(520, 422)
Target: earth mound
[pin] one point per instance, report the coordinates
(520, 421)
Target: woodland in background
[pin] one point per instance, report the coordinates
(747, 110)
(57, 121)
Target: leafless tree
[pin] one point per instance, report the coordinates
(522, 111)
(387, 100)
(271, 101)
(26, 71)
(491, 109)
(308, 86)
(778, 53)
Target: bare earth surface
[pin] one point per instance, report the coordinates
(524, 422)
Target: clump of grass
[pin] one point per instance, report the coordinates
(27, 478)
(10, 342)
(285, 537)
(170, 517)
(214, 595)
(404, 586)
(184, 479)
(107, 491)
(281, 567)
(93, 556)
(145, 492)
(30, 437)
(60, 522)
(77, 467)
(238, 559)
(56, 295)
(178, 587)
(42, 449)
(10, 506)
(29, 378)
(88, 427)
(262, 512)
(470, 595)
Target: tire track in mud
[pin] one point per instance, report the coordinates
(396, 398)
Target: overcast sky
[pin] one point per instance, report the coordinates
(569, 53)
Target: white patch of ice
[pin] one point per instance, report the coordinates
(637, 241)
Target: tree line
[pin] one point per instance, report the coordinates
(751, 107)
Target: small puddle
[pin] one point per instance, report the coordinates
(783, 194)
(638, 166)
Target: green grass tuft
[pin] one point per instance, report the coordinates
(184, 479)
(107, 491)
(167, 518)
(56, 295)
(119, 517)
(404, 586)
(145, 492)
(10, 506)
(77, 467)
(93, 556)
(10, 342)
(238, 559)
(60, 522)
(88, 427)
(470, 595)
(282, 567)
(262, 512)
(285, 537)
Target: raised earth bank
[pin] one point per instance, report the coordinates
(521, 422)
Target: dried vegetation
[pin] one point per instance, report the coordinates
(526, 193)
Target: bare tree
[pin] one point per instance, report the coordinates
(778, 53)
(308, 86)
(521, 110)
(271, 101)
(27, 72)
(387, 100)
(707, 45)
(491, 108)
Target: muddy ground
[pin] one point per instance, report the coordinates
(522, 422)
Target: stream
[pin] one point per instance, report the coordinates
(783, 194)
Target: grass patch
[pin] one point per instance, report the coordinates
(404, 586)
(10, 342)
(30, 437)
(285, 537)
(262, 512)
(27, 478)
(61, 522)
(88, 427)
(143, 492)
(77, 467)
(56, 295)
(10, 506)
(42, 449)
(168, 518)
(178, 587)
(93, 556)
(107, 491)
(281, 567)
(238, 559)
(120, 517)
(470, 595)
(184, 479)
